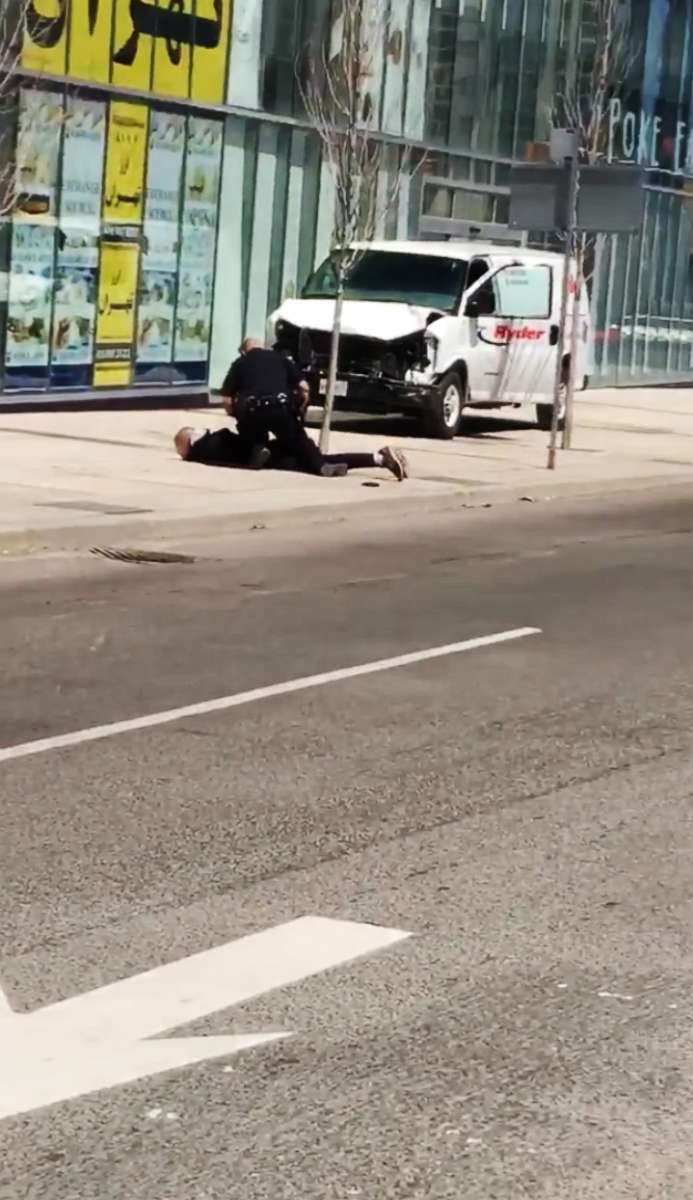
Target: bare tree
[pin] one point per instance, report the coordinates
(600, 59)
(12, 18)
(596, 73)
(339, 88)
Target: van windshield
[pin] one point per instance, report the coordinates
(426, 280)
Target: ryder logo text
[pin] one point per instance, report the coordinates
(523, 333)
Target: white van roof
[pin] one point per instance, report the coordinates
(458, 249)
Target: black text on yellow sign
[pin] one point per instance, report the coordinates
(126, 152)
(115, 322)
(44, 48)
(177, 48)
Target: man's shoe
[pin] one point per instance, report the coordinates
(396, 462)
(259, 458)
(333, 470)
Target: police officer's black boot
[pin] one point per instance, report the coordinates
(259, 458)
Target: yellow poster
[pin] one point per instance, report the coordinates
(211, 50)
(133, 30)
(175, 32)
(125, 161)
(89, 40)
(115, 322)
(45, 36)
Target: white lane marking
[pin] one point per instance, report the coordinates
(95, 732)
(184, 991)
(94, 1041)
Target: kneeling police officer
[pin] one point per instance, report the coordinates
(264, 391)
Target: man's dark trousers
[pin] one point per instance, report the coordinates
(293, 445)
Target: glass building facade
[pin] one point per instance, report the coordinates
(169, 192)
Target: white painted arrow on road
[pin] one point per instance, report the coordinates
(98, 1040)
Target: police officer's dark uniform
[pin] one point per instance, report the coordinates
(263, 385)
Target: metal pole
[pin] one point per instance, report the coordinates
(572, 166)
(573, 64)
(567, 439)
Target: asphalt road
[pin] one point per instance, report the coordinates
(522, 810)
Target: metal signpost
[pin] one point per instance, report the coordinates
(564, 148)
(566, 197)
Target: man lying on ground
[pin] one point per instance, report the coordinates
(223, 448)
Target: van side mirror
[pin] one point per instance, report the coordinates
(480, 305)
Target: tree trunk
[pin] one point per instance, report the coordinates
(334, 359)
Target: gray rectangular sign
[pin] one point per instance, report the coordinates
(538, 197)
(610, 198)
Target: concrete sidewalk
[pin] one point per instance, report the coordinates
(81, 478)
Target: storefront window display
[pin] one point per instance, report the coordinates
(158, 279)
(29, 306)
(79, 228)
(32, 262)
(113, 243)
(198, 237)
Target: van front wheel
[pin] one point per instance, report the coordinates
(545, 416)
(444, 413)
(545, 411)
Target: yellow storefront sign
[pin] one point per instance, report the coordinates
(126, 150)
(115, 323)
(211, 50)
(172, 49)
(122, 212)
(177, 48)
(44, 44)
(135, 21)
(89, 40)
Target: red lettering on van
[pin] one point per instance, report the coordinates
(523, 333)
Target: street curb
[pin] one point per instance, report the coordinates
(144, 399)
(171, 530)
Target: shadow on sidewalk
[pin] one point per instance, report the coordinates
(477, 426)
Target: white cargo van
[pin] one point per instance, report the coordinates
(434, 328)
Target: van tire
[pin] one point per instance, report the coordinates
(443, 416)
(545, 417)
(545, 411)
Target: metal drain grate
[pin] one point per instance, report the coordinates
(140, 556)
